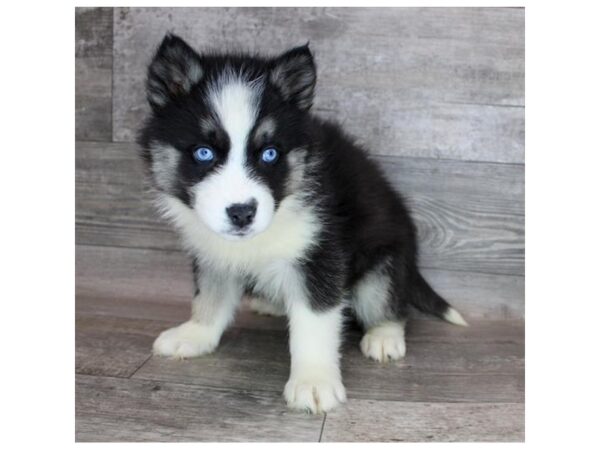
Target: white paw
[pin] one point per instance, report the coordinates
(384, 342)
(266, 308)
(315, 391)
(187, 340)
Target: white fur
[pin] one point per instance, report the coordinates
(371, 296)
(292, 231)
(385, 342)
(212, 310)
(453, 316)
(188, 340)
(235, 101)
(228, 186)
(315, 382)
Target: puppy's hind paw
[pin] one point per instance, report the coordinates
(385, 342)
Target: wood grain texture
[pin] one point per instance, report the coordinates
(93, 102)
(382, 421)
(461, 370)
(114, 347)
(428, 82)
(93, 32)
(112, 409)
(168, 311)
(93, 73)
(161, 276)
(133, 274)
(455, 384)
(470, 216)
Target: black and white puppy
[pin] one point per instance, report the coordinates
(273, 202)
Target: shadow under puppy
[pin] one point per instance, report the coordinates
(274, 202)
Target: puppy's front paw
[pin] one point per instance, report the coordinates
(384, 342)
(316, 390)
(187, 340)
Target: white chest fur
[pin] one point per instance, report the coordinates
(270, 256)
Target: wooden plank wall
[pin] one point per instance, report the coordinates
(93, 73)
(425, 82)
(437, 94)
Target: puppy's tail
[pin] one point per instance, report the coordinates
(426, 300)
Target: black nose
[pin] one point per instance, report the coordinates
(242, 214)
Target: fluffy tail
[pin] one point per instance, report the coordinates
(426, 300)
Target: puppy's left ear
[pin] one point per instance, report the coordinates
(174, 70)
(294, 73)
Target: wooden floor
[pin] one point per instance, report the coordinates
(455, 384)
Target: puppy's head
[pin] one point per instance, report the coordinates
(227, 133)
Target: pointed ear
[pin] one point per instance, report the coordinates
(175, 69)
(294, 73)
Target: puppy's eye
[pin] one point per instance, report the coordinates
(203, 154)
(269, 155)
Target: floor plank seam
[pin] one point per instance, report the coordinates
(136, 248)
(140, 366)
(91, 375)
(322, 427)
(495, 105)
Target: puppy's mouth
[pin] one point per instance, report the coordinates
(237, 234)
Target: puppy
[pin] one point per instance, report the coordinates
(276, 203)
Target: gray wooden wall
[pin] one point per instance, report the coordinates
(437, 94)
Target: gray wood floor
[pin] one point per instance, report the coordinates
(455, 384)
(438, 96)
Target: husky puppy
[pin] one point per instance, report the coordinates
(276, 203)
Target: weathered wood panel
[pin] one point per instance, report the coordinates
(133, 274)
(135, 308)
(161, 276)
(456, 384)
(434, 82)
(470, 369)
(114, 347)
(93, 32)
(380, 421)
(470, 216)
(112, 409)
(363, 379)
(93, 73)
(170, 313)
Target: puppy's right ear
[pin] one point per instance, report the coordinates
(294, 73)
(175, 69)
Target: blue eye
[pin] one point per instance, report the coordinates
(203, 154)
(269, 155)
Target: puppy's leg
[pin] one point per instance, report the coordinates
(380, 307)
(213, 308)
(315, 383)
